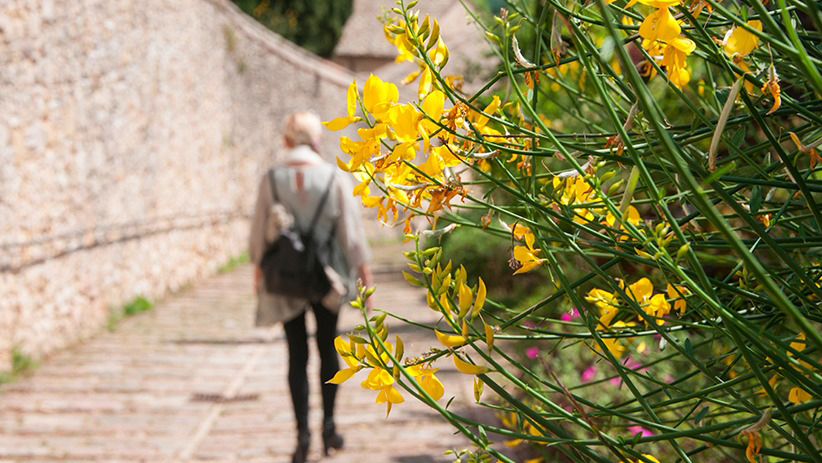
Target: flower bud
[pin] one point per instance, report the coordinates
(683, 250)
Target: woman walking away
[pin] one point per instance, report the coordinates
(305, 212)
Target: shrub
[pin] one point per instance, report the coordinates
(658, 162)
(315, 25)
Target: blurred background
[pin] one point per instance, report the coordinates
(132, 140)
(134, 134)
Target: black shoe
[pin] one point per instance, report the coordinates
(331, 440)
(301, 453)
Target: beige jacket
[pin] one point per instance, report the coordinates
(300, 189)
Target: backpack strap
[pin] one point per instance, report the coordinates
(273, 185)
(320, 205)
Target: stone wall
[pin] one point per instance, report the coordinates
(132, 138)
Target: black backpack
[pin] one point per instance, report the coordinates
(294, 264)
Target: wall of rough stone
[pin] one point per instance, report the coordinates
(132, 138)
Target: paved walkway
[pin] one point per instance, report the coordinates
(146, 391)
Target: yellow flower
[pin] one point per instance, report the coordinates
(649, 457)
(404, 48)
(739, 40)
(674, 60)
(678, 293)
(640, 291)
(381, 380)
(349, 357)
(403, 119)
(480, 121)
(799, 396)
(343, 122)
(520, 232)
(378, 96)
(577, 191)
(612, 344)
(360, 152)
(605, 301)
(440, 158)
(654, 305)
(631, 216)
(655, 3)
(660, 25)
(429, 383)
(658, 307)
(526, 256)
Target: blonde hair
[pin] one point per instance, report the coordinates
(303, 128)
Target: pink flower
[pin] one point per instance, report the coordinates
(634, 430)
(567, 317)
(532, 352)
(588, 374)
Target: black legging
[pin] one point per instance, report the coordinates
(297, 336)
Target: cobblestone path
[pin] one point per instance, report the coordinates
(146, 391)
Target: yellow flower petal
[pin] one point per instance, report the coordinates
(641, 290)
(480, 302)
(660, 25)
(468, 368)
(343, 375)
(489, 336)
(378, 95)
(449, 340)
(433, 105)
(741, 41)
(340, 123)
(351, 99)
(478, 388)
(798, 345)
(798, 396)
(465, 299)
(426, 83)
(432, 386)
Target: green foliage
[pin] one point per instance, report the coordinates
(673, 204)
(137, 305)
(315, 25)
(20, 363)
(233, 263)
